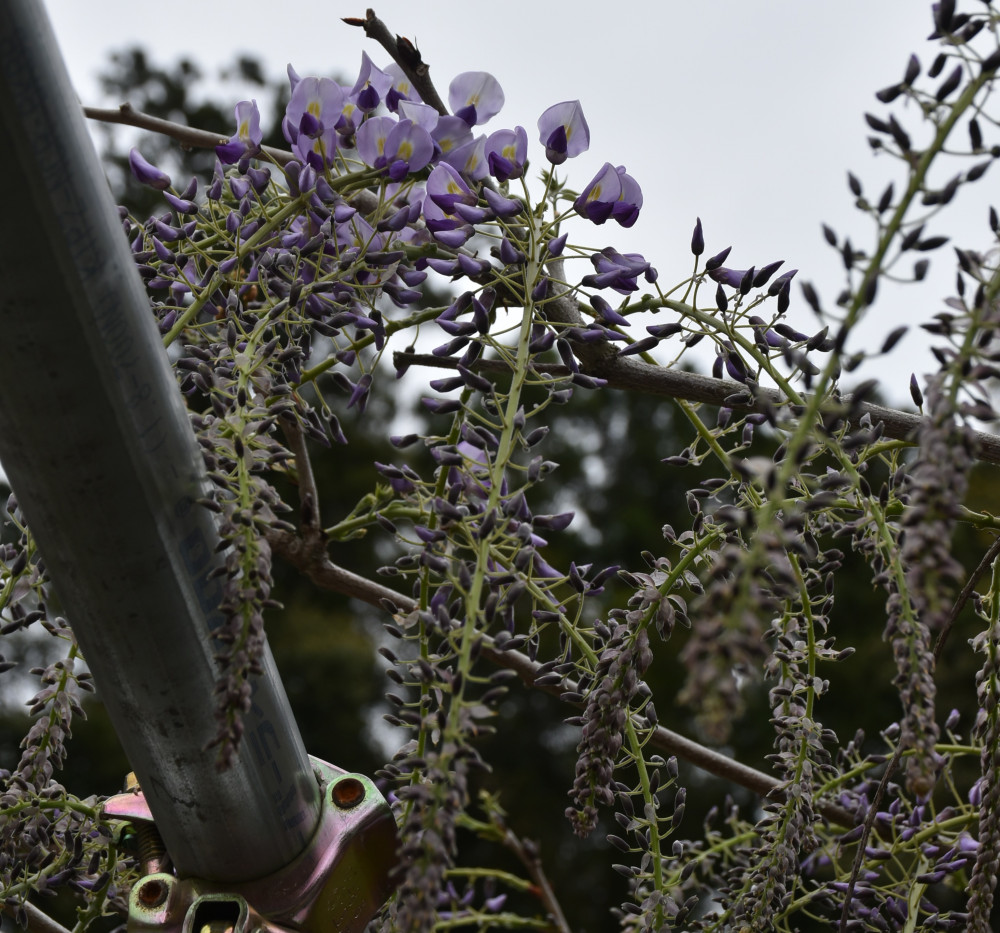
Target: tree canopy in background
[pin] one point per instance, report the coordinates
(630, 646)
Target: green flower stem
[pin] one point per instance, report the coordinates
(504, 877)
(391, 327)
(635, 748)
(291, 209)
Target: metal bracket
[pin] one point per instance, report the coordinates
(338, 883)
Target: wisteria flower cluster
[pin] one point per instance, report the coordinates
(397, 233)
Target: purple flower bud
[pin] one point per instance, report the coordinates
(698, 239)
(640, 346)
(147, 173)
(510, 255)
(607, 313)
(502, 207)
(781, 282)
(181, 205)
(440, 406)
(718, 259)
(555, 246)
(541, 290)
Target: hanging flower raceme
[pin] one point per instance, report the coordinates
(247, 138)
(612, 193)
(563, 131)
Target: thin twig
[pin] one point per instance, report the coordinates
(866, 832)
(38, 920)
(527, 852)
(405, 54)
(963, 597)
(314, 563)
(308, 494)
(187, 136)
(635, 376)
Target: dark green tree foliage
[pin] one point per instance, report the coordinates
(773, 572)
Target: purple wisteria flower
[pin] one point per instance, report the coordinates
(422, 114)
(446, 188)
(506, 153)
(371, 87)
(146, 172)
(311, 117)
(397, 147)
(475, 96)
(401, 88)
(451, 134)
(446, 191)
(247, 138)
(613, 193)
(470, 159)
(618, 271)
(563, 131)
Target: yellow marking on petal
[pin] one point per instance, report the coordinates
(244, 131)
(595, 194)
(314, 107)
(509, 152)
(405, 151)
(453, 188)
(445, 144)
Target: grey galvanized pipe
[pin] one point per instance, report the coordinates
(98, 448)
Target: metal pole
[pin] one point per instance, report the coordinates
(97, 445)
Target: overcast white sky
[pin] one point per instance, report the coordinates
(747, 113)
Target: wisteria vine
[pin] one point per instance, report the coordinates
(295, 276)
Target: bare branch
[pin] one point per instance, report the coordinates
(187, 136)
(405, 54)
(38, 921)
(308, 494)
(314, 563)
(635, 376)
(963, 597)
(527, 852)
